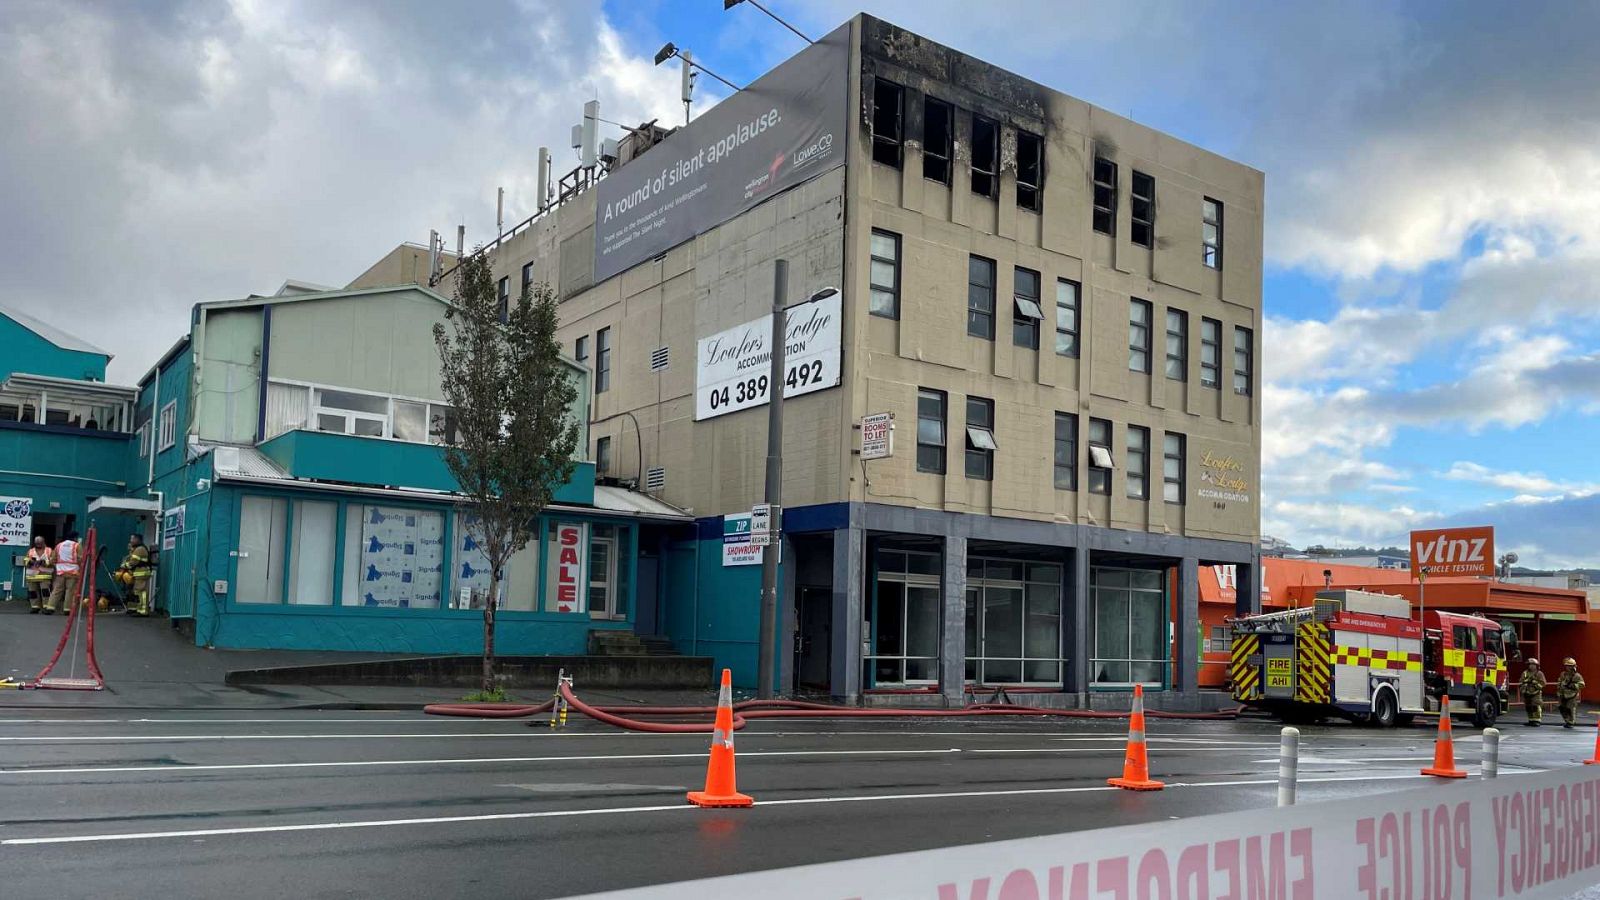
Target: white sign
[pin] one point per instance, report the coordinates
(16, 521)
(567, 566)
(761, 524)
(877, 436)
(1515, 836)
(172, 526)
(737, 548)
(731, 368)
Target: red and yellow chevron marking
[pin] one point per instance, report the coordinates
(1246, 678)
(1313, 668)
(1390, 660)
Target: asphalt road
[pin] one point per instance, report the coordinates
(401, 805)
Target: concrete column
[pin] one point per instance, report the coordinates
(788, 597)
(848, 572)
(953, 652)
(1186, 648)
(1078, 613)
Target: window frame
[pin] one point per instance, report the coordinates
(1137, 466)
(580, 349)
(143, 434)
(980, 443)
(1075, 307)
(1211, 248)
(1213, 368)
(167, 426)
(1248, 372)
(1104, 196)
(988, 315)
(502, 299)
(894, 142)
(942, 445)
(1030, 194)
(1178, 344)
(1069, 444)
(527, 277)
(602, 454)
(602, 360)
(1147, 222)
(873, 288)
(1135, 346)
(943, 153)
(991, 175)
(1026, 312)
(1104, 472)
(1181, 457)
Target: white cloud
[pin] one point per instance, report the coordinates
(1525, 483)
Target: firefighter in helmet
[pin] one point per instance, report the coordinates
(134, 575)
(1568, 688)
(1533, 693)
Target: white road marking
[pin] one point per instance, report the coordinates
(630, 810)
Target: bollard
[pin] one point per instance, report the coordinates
(1491, 753)
(1288, 765)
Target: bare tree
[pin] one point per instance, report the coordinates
(515, 438)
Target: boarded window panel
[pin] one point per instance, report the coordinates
(262, 529)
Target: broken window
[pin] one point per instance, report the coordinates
(1143, 210)
(938, 136)
(888, 100)
(1030, 170)
(1211, 233)
(1105, 196)
(985, 156)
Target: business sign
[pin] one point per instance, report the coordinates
(783, 130)
(737, 547)
(1453, 551)
(172, 526)
(16, 521)
(1223, 479)
(567, 572)
(1525, 836)
(877, 436)
(731, 367)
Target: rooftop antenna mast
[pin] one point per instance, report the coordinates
(687, 59)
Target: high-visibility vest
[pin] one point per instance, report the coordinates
(67, 558)
(44, 565)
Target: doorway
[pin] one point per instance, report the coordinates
(813, 639)
(53, 526)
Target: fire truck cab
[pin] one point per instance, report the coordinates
(1362, 656)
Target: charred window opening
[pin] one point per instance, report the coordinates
(888, 101)
(985, 156)
(1143, 210)
(938, 135)
(1105, 196)
(1030, 170)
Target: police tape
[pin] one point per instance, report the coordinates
(1524, 836)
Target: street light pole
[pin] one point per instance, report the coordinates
(769, 554)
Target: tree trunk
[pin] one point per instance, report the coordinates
(488, 631)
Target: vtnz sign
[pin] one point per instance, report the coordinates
(1454, 551)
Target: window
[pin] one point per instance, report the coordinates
(887, 102)
(1030, 170)
(258, 576)
(580, 349)
(1172, 463)
(1129, 612)
(143, 437)
(312, 548)
(348, 412)
(885, 274)
(1466, 637)
(985, 156)
(502, 296)
(1138, 461)
(1211, 233)
(1099, 456)
(1143, 210)
(1243, 360)
(980, 438)
(1210, 353)
(527, 278)
(1066, 452)
(393, 557)
(903, 618)
(938, 137)
(410, 421)
(980, 297)
(1105, 196)
(602, 455)
(1013, 612)
(602, 361)
(930, 431)
(167, 426)
(300, 406)
(1177, 345)
(1139, 336)
(1221, 639)
(1066, 317)
(1025, 318)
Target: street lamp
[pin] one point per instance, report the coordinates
(669, 50)
(730, 4)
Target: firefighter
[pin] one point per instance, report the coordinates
(1533, 693)
(134, 574)
(1568, 688)
(41, 569)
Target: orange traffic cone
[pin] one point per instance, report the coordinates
(1595, 761)
(720, 789)
(1444, 749)
(1136, 765)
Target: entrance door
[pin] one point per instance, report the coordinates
(813, 638)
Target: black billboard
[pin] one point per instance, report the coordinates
(783, 130)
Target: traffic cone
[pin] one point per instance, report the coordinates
(720, 789)
(1595, 761)
(1136, 765)
(1444, 750)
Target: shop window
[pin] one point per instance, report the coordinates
(1142, 210)
(1138, 462)
(1139, 336)
(1211, 233)
(263, 524)
(985, 156)
(1172, 468)
(1067, 317)
(1030, 171)
(1026, 314)
(888, 102)
(1130, 627)
(980, 438)
(1210, 353)
(1105, 196)
(1066, 452)
(1013, 622)
(1177, 345)
(394, 557)
(1100, 462)
(980, 297)
(930, 431)
(938, 139)
(314, 543)
(885, 277)
(904, 618)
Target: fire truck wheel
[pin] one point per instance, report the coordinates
(1384, 710)
(1487, 710)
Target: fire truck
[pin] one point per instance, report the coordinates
(1363, 656)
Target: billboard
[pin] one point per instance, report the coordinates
(731, 367)
(783, 130)
(1454, 551)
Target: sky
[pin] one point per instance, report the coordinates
(1431, 350)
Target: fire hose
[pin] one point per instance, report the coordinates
(743, 712)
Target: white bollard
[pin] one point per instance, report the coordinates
(1491, 753)
(1288, 765)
